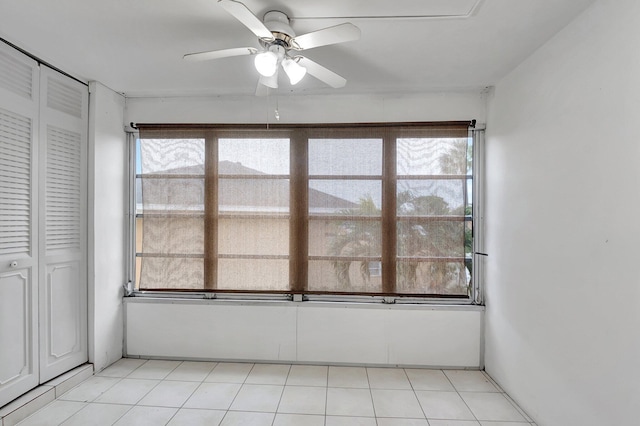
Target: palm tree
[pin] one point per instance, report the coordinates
(428, 239)
(360, 238)
(356, 238)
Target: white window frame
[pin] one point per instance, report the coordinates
(476, 132)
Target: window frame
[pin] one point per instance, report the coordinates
(299, 220)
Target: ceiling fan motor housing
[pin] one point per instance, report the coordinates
(278, 23)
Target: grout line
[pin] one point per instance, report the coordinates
(493, 382)
(192, 392)
(527, 418)
(371, 395)
(281, 395)
(449, 380)
(415, 395)
(123, 414)
(506, 395)
(462, 399)
(326, 398)
(226, 411)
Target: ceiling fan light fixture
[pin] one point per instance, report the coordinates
(271, 81)
(294, 70)
(266, 63)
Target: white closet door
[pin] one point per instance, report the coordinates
(19, 368)
(63, 216)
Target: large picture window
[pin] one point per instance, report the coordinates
(358, 210)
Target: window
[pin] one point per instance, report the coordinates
(353, 210)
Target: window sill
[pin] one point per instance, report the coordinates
(284, 301)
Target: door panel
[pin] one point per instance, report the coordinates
(18, 366)
(63, 309)
(63, 224)
(19, 92)
(14, 304)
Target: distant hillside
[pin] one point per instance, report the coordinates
(234, 194)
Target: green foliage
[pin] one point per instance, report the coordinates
(359, 238)
(415, 238)
(356, 238)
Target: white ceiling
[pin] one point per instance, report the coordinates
(136, 46)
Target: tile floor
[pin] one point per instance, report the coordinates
(154, 392)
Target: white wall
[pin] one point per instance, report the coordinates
(107, 221)
(462, 105)
(563, 168)
(306, 332)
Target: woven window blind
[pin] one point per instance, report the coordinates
(170, 212)
(362, 209)
(431, 201)
(345, 213)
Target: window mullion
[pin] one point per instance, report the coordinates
(389, 214)
(211, 212)
(298, 207)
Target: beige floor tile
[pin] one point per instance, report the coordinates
(190, 371)
(229, 372)
(54, 413)
(402, 422)
(307, 375)
(240, 418)
(303, 400)
(96, 414)
(298, 420)
(146, 416)
(122, 368)
(127, 391)
(443, 405)
(169, 393)
(348, 377)
(388, 378)
(350, 421)
(90, 389)
(213, 396)
(263, 398)
(154, 369)
(491, 406)
(268, 374)
(349, 402)
(425, 379)
(396, 403)
(197, 417)
(470, 381)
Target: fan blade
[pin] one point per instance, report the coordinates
(217, 54)
(331, 35)
(244, 15)
(323, 74)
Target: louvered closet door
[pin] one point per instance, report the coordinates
(19, 93)
(63, 215)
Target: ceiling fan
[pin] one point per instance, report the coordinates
(280, 47)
